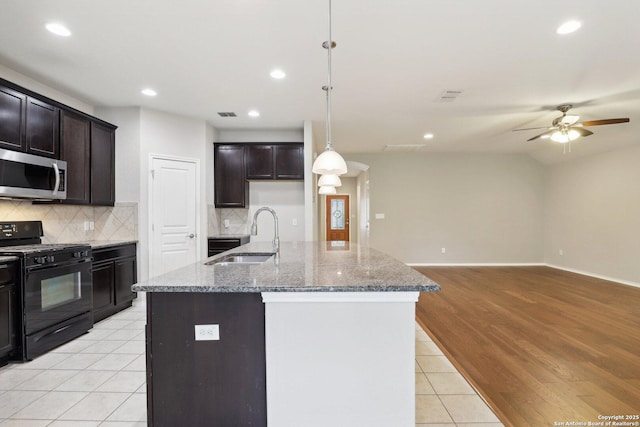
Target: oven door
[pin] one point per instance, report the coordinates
(54, 294)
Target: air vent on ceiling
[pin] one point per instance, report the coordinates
(227, 114)
(449, 95)
(403, 147)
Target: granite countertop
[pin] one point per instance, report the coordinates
(99, 244)
(302, 267)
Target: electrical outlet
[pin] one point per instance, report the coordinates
(92, 225)
(87, 226)
(294, 222)
(561, 252)
(444, 250)
(226, 223)
(207, 332)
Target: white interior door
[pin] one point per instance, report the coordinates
(173, 215)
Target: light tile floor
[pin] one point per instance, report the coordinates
(99, 380)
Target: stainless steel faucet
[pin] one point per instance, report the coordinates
(254, 227)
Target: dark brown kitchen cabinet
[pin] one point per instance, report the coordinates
(230, 183)
(206, 383)
(289, 161)
(42, 128)
(113, 274)
(8, 311)
(28, 124)
(103, 151)
(13, 119)
(274, 161)
(75, 149)
(217, 245)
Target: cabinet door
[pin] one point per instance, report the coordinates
(12, 119)
(75, 149)
(125, 277)
(42, 128)
(7, 326)
(259, 162)
(231, 187)
(103, 149)
(289, 161)
(103, 292)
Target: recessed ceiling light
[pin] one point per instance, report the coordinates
(58, 29)
(569, 27)
(278, 74)
(149, 92)
(254, 113)
(428, 136)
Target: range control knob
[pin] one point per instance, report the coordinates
(50, 258)
(40, 259)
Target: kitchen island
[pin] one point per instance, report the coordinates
(322, 334)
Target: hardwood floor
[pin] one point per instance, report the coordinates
(540, 345)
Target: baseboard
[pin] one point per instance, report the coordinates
(477, 264)
(527, 264)
(597, 276)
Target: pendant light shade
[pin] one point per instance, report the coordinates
(329, 180)
(327, 190)
(329, 162)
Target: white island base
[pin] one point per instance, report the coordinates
(340, 358)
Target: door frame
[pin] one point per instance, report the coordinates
(347, 214)
(150, 231)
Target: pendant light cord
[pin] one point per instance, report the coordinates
(329, 87)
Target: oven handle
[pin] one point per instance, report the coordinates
(63, 264)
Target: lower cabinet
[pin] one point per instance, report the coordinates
(8, 311)
(113, 274)
(217, 245)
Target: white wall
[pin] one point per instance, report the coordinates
(287, 199)
(592, 214)
(35, 86)
(483, 208)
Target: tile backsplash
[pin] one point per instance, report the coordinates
(66, 223)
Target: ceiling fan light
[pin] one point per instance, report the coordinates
(329, 180)
(327, 190)
(564, 136)
(329, 163)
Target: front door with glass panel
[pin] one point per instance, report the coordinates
(338, 218)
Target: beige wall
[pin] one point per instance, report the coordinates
(482, 208)
(593, 214)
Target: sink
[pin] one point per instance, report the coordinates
(242, 258)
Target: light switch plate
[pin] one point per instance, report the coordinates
(207, 332)
(380, 216)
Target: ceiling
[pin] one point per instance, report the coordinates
(393, 61)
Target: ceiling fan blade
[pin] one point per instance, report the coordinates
(548, 133)
(605, 122)
(582, 131)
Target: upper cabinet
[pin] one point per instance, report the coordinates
(230, 183)
(42, 128)
(234, 164)
(13, 109)
(38, 125)
(275, 161)
(75, 149)
(103, 151)
(28, 124)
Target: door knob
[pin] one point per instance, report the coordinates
(191, 236)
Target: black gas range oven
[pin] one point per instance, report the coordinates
(54, 291)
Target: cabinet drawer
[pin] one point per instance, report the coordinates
(115, 252)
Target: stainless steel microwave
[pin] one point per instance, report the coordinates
(27, 176)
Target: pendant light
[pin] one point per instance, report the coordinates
(329, 162)
(326, 189)
(329, 180)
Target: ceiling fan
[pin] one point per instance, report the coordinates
(566, 128)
